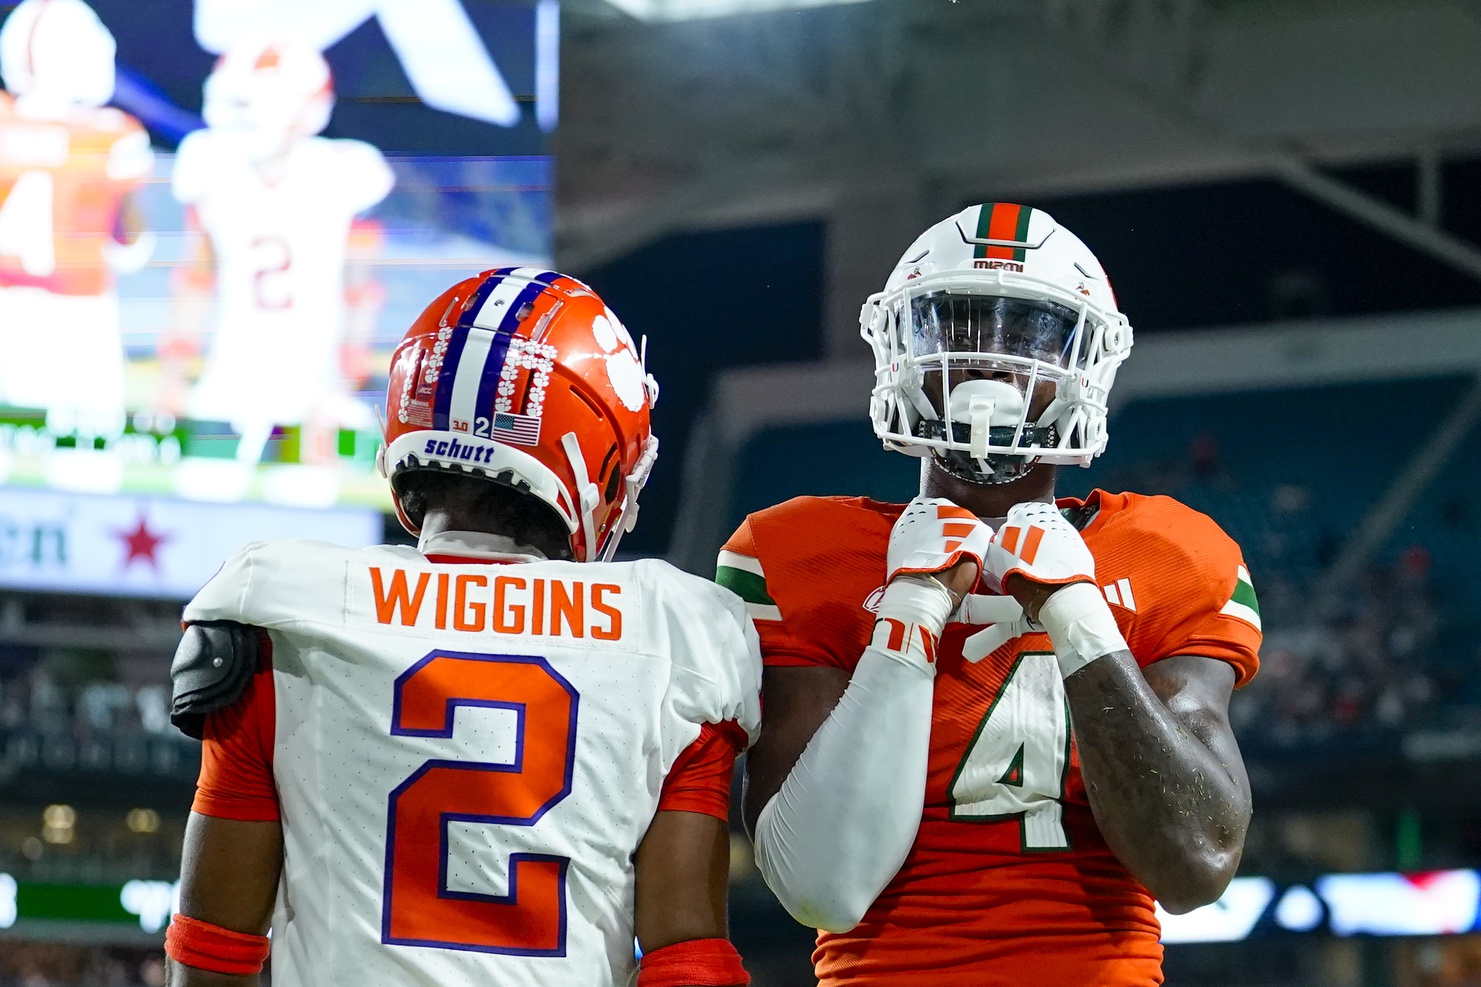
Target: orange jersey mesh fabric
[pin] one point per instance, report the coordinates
(72, 175)
(989, 895)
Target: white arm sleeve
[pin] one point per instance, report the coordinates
(840, 827)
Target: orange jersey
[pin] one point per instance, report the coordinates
(62, 184)
(1009, 880)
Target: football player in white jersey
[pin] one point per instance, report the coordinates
(69, 168)
(498, 757)
(276, 204)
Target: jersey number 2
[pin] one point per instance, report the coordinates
(418, 908)
(1016, 762)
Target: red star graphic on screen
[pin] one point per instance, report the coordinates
(141, 543)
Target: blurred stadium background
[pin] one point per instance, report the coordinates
(1285, 196)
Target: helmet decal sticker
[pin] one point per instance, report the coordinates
(623, 367)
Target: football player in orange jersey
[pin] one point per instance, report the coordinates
(996, 722)
(68, 167)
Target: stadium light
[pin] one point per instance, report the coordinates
(688, 10)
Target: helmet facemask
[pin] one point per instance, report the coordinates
(992, 373)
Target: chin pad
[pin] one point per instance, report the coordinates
(213, 666)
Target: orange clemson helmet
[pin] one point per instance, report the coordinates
(526, 377)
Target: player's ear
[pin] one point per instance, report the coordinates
(413, 499)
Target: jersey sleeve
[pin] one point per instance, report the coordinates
(281, 583)
(130, 158)
(361, 174)
(699, 781)
(739, 570)
(1200, 598)
(806, 575)
(714, 653)
(228, 594)
(236, 779)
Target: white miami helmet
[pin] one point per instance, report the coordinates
(996, 341)
(57, 52)
(269, 94)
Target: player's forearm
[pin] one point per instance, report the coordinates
(1172, 813)
(180, 975)
(846, 816)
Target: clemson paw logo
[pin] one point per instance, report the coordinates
(623, 367)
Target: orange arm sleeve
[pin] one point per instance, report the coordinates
(236, 780)
(699, 781)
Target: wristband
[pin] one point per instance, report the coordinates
(194, 943)
(1080, 626)
(912, 613)
(698, 962)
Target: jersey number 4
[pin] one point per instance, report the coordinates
(1017, 760)
(26, 223)
(418, 908)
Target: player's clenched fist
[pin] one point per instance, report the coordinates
(932, 535)
(1036, 541)
(935, 553)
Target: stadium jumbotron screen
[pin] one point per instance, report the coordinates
(217, 219)
(198, 417)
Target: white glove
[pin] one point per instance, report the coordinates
(930, 536)
(1038, 542)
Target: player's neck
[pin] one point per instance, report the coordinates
(454, 518)
(478, 545)
(990, 502)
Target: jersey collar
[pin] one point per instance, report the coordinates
(476, 546)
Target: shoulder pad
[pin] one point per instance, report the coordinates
(1080, 516)
(213, 666)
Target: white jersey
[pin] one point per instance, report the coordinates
(280, 260)
(467, 756)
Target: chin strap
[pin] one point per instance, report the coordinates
(587, 492)
(635, 482)
(591, 497)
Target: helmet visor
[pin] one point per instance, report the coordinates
(946, 322)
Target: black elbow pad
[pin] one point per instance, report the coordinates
(213, 666)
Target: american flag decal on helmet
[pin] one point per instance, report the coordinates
(520, 430)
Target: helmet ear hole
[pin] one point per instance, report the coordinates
(613, 475)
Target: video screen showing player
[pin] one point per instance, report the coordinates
(270, 209)
(70, 168)
(228, 308)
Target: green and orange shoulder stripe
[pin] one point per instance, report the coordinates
(739, 570)
(806, 570)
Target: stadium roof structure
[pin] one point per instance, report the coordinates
(881, 117)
